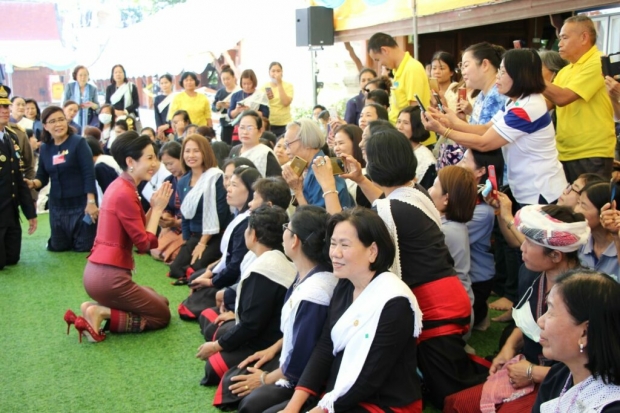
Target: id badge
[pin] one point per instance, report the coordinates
(58, 159)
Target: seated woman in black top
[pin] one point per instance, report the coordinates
(206, 282)
(366, 355)
(271, 381)
(581, 329)
(250, 125)
(422, 259)
(260, 296)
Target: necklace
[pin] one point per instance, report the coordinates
(565, 389)
(154, 185)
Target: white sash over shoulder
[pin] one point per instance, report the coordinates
(317, 289)
(258, 155)
(204, 188)
(355, 331)
(123, 92)
(271, 264)
(166, 102)
(226, 239)
(589, 396)
(412, 197)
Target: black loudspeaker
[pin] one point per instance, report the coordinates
(315, 26)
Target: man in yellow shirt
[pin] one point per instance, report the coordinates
(585, 129)
(409, 76)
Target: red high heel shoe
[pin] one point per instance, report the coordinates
(84, 327)
(69, 319)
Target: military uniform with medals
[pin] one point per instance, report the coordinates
(13, 193)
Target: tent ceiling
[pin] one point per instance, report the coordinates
(177, 39)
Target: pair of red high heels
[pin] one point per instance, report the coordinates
(83, 327)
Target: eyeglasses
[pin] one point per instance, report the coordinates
(287, 145)
(54, 121)
(501, 72)
(285, 227)
(570, 189)
(249, 128)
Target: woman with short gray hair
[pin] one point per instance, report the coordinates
(304, 139)
(552, 63)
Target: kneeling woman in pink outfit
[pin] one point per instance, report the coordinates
(128, 307)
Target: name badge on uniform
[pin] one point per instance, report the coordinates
(58, 159)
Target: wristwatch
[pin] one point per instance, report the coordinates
(91, 201)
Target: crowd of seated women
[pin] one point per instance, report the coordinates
(342, 264)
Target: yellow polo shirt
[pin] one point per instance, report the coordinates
(279, 115)
(585, 128)
(409, 79)
(198, 107)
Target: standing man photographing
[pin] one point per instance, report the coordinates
(585, 133)
(409, 76)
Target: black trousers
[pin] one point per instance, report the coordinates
(601, 166)
(269, 398)
(10, 245)
(482, 291)
(278, 130)
(226, 133)
(182, 262)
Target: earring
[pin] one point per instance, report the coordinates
(131, 169)
(580, 348)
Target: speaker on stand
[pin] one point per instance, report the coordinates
(315, 29)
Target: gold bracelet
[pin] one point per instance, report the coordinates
(445, 135)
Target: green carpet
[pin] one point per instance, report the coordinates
(44, 370)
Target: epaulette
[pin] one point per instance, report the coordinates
(15, 126)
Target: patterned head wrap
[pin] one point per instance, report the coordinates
(542, 229)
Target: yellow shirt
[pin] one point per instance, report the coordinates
(279, 115)
(585, 128)
(198, 107)
(409, 79)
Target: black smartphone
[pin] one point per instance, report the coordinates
(87, 219)
(422, 108)
(439, 104)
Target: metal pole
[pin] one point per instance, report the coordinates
(313, 58)
(415, 29)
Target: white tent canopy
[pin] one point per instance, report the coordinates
(32, 53)
(183, 37)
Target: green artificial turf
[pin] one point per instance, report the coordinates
(44, 370)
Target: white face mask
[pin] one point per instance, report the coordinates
(105, 118)
(522, 314)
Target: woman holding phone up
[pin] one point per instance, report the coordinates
(523, 130)
(280, 95)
